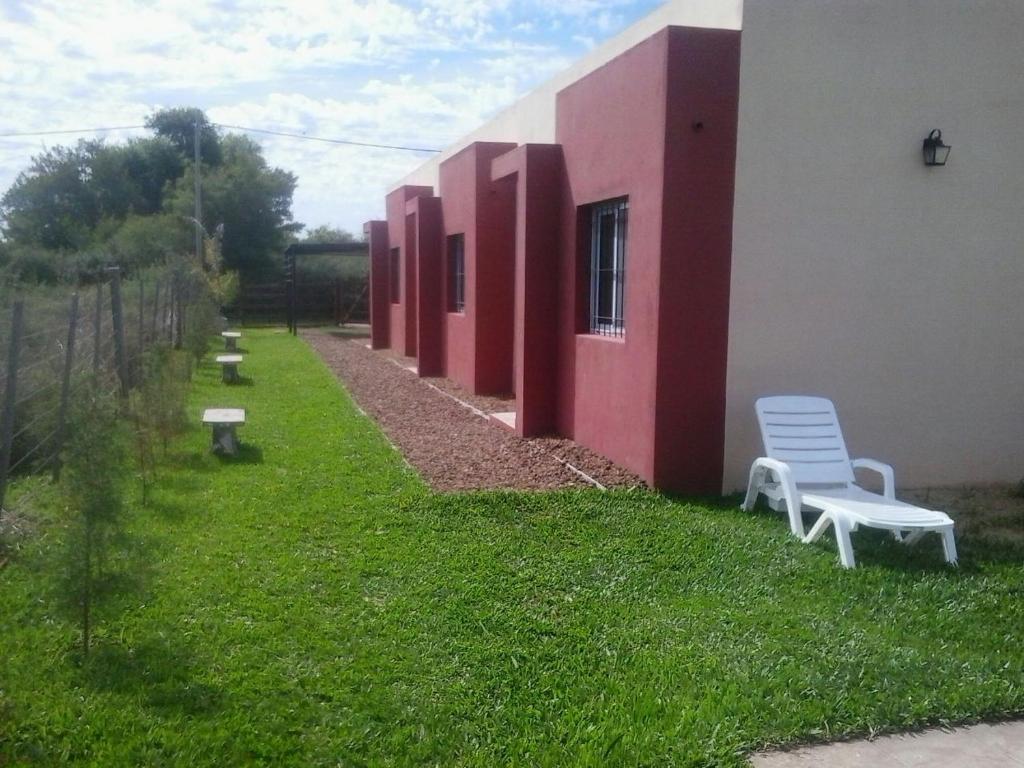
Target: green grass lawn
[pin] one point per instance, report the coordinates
(313, 604)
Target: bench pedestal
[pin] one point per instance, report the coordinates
(229, 365)
(224, 421)
(225, 439)
(231, 340)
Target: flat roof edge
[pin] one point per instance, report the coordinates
(532, 117)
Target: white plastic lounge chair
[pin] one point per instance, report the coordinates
(807, 467)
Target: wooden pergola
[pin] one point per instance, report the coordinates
(291, 256)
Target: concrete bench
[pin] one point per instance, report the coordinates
(224, 421)
(229, 364)
(231, 340)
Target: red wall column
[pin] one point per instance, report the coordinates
(478, 353)
(656, 125)
(376, 233)
(696, 259)
(537, 172)
(427, 229)
(410, 288)
(611, 126)
(402, 331)
(493, 286)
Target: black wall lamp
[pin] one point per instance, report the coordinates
(936, 152)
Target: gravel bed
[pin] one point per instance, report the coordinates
(485, 403)
(450, 446)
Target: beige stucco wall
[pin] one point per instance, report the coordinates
(532, 118)
(858, 273)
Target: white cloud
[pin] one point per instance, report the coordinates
(415, 72)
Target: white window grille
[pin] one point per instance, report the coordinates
(608, 266)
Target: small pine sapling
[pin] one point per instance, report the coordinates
(94, 464)
(164, 392)
(144, 435)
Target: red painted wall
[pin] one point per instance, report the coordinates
(403, 314)
(656, 125)
(696, 258)
(652, 401)
(457, 185)
(376, 233)
(424, 224)
(479, 340)
(535, 172)
(611, 125)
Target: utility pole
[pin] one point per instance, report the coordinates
(199, 198)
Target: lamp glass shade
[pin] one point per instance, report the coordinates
(936, 151)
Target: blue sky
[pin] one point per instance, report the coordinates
(418, 73)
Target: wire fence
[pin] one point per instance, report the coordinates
(55, 344)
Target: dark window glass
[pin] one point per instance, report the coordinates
(457, 273)
(608, 267)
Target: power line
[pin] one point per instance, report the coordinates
(328, 141)
(72, 130)
(248, 129)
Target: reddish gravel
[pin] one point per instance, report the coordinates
(451, 447)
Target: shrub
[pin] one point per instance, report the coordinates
(94, 460)
(163, 393)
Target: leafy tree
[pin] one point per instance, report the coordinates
(148, 166)
(70, 198)
(250, 199)
(328, 267)
(141, 241)
(33, 265)
(132, 202)
(177, 125)
(51, 204)
(328, 234)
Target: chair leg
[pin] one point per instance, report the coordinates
(753, 489)
(845, 545)
(842, 529)
(820, 526)
(949, 545)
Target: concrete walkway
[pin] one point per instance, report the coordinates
(991, 746)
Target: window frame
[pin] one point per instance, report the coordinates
(456, 266)
(614, 323)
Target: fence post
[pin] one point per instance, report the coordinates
(156, 312)
(117, 315)
(183, 298)
(292, 308)
(178, 309)
(142, 325)
(10, 397)
(97, 326)
(65, 386)
(165, 312)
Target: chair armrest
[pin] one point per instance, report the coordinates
(794, 502)
(888, 476)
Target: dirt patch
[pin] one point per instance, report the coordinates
(16, 527)
(992, 513)
(453, 448)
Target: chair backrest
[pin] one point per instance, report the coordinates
(804, 433)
